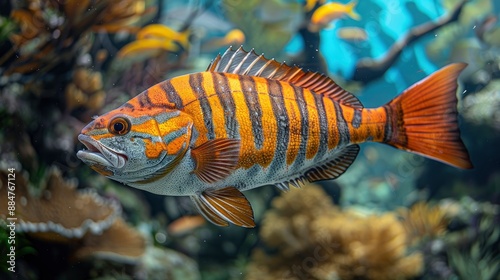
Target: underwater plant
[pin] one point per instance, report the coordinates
(53, 33)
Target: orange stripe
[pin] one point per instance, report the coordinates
(348, 113)
(218, 120)
(372, 124)
(247, 150)
(269, 125)
(294, 116)
(185, 92)
(191, 106)
(157, 96)
(333, 133)
(154, 149)
(374, 120)
(314, 130)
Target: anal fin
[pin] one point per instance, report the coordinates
(225, 205)
(335, 167)
(208, 213)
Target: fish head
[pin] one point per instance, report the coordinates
(134, 146)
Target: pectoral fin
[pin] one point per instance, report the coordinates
(216, 159)
(225, 205)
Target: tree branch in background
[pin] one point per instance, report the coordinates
(368, 69)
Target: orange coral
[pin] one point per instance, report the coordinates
(313, 239)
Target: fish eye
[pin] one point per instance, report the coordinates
(119, 126)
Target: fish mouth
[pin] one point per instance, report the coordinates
(97, 153)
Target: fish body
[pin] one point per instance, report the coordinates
(355, 34)
(331, 11)
(248, 122)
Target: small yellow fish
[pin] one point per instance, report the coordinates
(154, 39)
(248, 122)
(329, 12)
(161, 31)
(149, 47)
(355, 34)
(234, 37)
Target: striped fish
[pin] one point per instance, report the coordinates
(248, 122)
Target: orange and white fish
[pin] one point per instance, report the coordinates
(247, 122)
(328, 12)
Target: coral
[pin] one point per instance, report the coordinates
(473, 252)
(423, 221)
(53, 32)
(120, 242)
(381, 179)
(59, 213)
(85, 90)
(310, 238)
(482, 107)
(162, 263)
(60, 209)
(287, 226)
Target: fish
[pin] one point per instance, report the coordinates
(161, 31)
(233, 37)
(329, 12)
(155, 39)
(355, 34)
(248, 121)
(185, 224)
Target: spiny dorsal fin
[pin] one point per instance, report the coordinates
(335, 167)
(249, 63)
(225, 205)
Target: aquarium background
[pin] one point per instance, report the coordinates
(392, 215)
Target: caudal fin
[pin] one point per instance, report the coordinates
(350, 10)
(423, 119)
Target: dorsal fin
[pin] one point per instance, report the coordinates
(249, 63)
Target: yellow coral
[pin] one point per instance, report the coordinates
(86, 90)
(423, 221)
(287, 225)
(313, 239)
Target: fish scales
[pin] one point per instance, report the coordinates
(262, 113)
(247, 122)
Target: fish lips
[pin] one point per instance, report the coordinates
(97, 153)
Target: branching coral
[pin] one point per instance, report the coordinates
(312, 239)
(288, 226)
(372, 247)
(423, 221)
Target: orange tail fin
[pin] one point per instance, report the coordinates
(423, 119)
